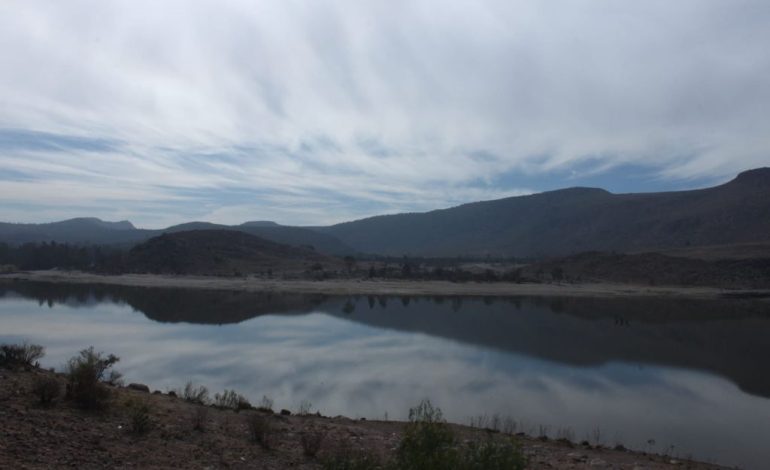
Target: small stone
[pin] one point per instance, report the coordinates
(577, 456)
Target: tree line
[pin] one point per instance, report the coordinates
(50, 255)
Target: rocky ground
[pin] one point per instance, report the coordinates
(60, 435)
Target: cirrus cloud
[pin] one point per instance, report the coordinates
(317, 112)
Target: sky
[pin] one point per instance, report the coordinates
(317, 112)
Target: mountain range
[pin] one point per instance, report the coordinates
(553, 223)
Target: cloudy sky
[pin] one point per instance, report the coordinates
(313, 112)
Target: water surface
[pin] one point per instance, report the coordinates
(685, 376)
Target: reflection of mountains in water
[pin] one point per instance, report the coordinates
(728, 337)
(170, 305)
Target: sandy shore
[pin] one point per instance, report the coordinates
(371, 287)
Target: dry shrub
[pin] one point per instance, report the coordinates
(86, 372)
(193, 394)
(261, 429)
(20, 355)
(312, 439)
(200, 418)
(46, 388)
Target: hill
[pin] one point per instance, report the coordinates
(93, 231)
(574, 220)
(83, 230)
(295, 236)
(220, 252)
(553, 223)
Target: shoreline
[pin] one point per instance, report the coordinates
(382, 287)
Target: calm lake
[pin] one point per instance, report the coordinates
(687, 377)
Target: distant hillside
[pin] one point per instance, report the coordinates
(87, 231)
(574, 220)
(220, 252)
(554, 223)
(84, 230)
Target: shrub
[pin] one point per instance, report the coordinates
(305, 407)
(193, 394)
(428, 441)
(266, 404)
(46, 388)
(261, 429)
(347, 459)
(311, 440)
(231, 399)
(20, 355)
(200, 418)
(140, 419)
(86, 372)
(491, 455)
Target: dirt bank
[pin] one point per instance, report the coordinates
(380, 287)
(60, 435)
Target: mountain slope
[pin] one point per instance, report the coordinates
(574, 220)
(553, 223)
(88, 231)
(85, 230)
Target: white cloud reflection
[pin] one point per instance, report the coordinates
(347, 368)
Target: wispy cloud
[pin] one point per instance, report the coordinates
(318, 112)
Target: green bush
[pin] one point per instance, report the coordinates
(428, 442)
(140, 419)
(46, 388)
(491, 455)
(20, 355)
(86, 372)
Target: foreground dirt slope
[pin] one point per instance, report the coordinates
(56, 436)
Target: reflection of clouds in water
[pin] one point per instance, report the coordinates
(349, 368)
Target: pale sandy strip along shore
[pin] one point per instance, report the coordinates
(372, 287)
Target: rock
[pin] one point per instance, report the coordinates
(172, 393)
(157, 392)
(139, 387)
(577, 456)
(285, 412)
